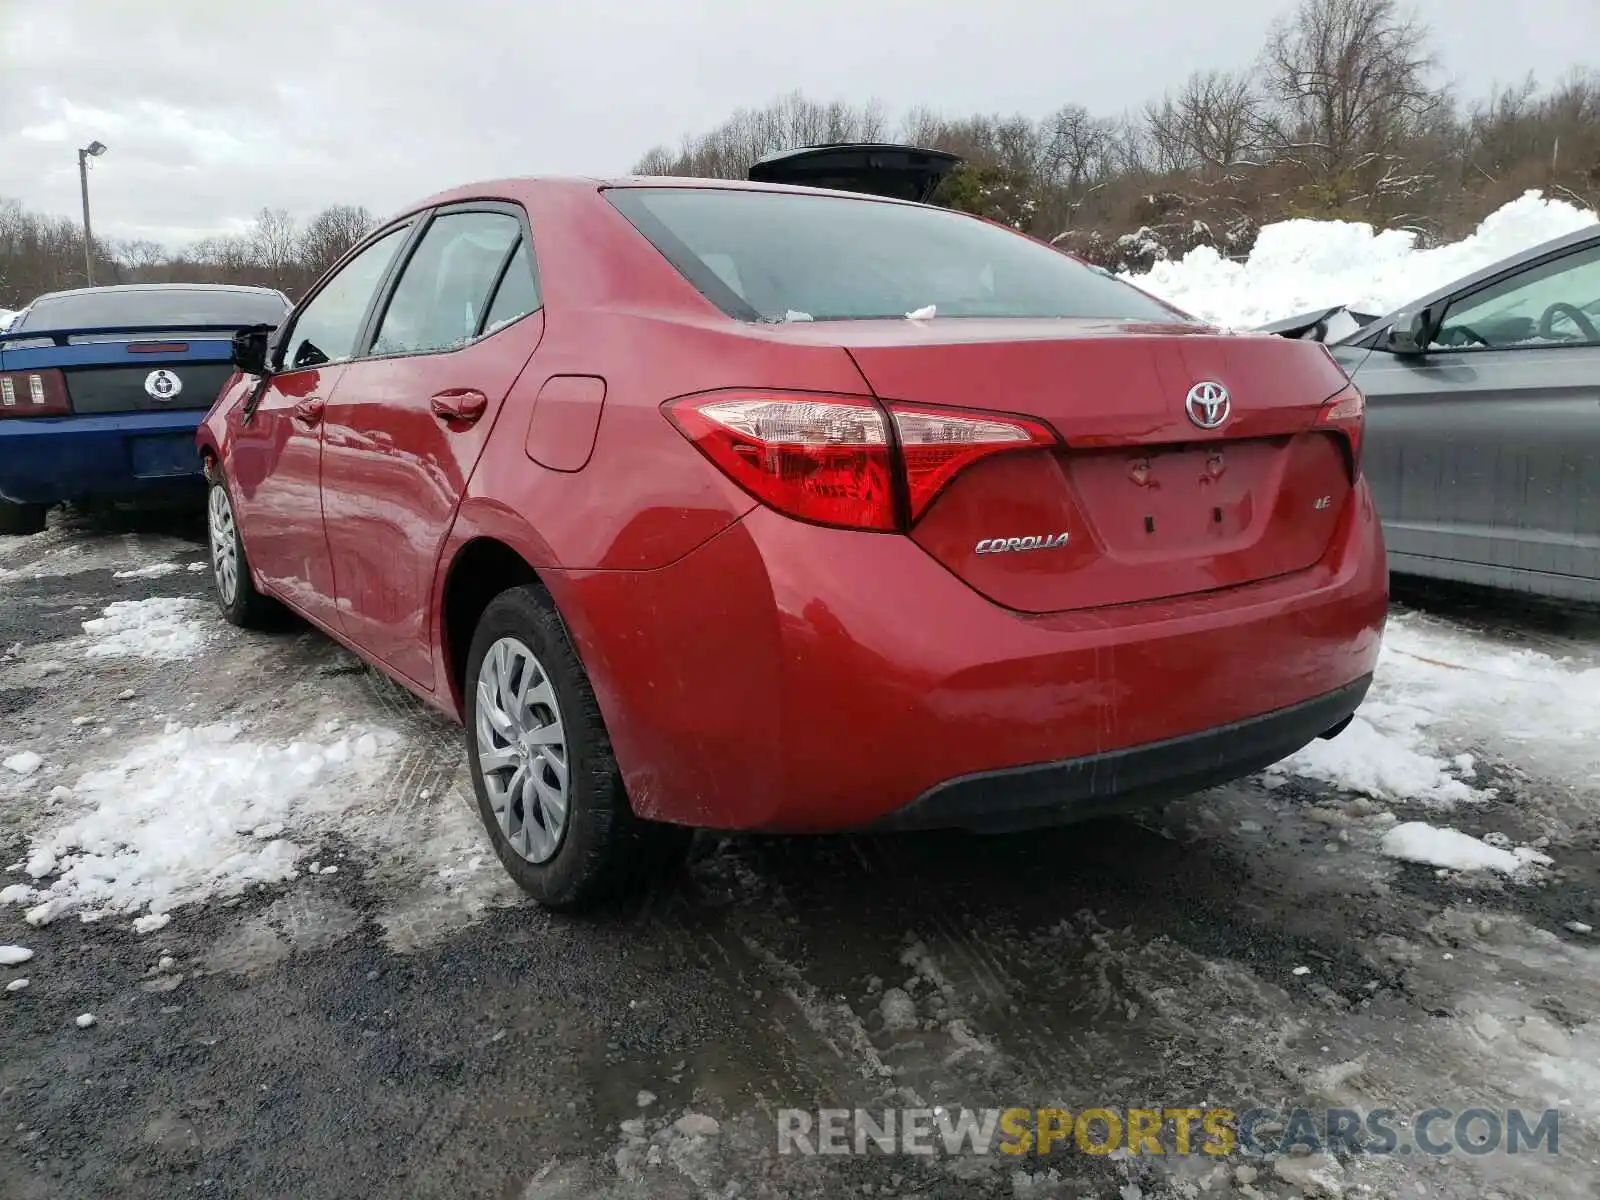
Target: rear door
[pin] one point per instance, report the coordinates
(275, 448)
(407, 423)
(1484, 453)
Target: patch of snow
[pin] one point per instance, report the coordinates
(174, 820)
(153, 571)
(1419, 842)
(16, 985)
(898, 1009)
(926, 313)
(24, 762)
(796, 315)
(10, 956)
(1302, 265)
(197, 567)
(1436, 683)
(6, 315)
(85, 1020)
(164, 628)
(151, 922)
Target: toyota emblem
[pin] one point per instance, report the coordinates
(1207, 404)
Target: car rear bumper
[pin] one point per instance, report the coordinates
(1135, 777)
(47, 459)
(786, 677)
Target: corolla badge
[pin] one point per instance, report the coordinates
(1042, 541)
(162, 385)
(1207, 404)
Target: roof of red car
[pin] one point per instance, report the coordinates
(514, 185)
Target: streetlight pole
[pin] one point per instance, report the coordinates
(92, 150)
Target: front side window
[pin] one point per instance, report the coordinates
(1556, 303)
(775, 256)
(444, 290)
(327, 329)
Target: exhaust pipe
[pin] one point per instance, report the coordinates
(1335, 731)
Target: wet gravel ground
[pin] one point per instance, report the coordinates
(409, 1027)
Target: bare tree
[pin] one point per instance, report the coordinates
(1351, 79)
(1211, 124)
(328, 236)
(273, 241)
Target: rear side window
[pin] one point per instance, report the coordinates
(173, 308)
(445, 289)
(327, 328)
(774, 256)
(518, 293)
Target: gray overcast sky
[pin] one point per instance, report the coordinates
(213, 108)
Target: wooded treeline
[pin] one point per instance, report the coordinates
(1342, 116)
(41, 253)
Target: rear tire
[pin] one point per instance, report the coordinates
(22, 518)
(548, 787)
(237, 597)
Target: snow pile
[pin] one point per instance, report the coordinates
(1419, 842)
(23, 762)
(1301, 265)
(165, 629)
(193, 813)
(1438, 685)
(153, 571)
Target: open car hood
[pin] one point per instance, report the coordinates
(1327, 325)
(902, 172)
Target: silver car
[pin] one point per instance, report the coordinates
(1483, 420)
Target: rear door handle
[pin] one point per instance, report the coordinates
(309, 410)
(459, 404)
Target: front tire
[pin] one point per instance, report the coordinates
(237, 597)
(22, 518)
(548, 787)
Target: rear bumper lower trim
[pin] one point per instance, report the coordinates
(1128, 779)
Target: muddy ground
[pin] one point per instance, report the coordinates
(408, 1026)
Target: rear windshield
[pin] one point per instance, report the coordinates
(774, 256)
(176, 308)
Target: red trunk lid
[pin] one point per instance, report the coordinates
(1152, 504)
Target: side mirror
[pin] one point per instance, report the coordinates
(1411, 332)
(250, 349)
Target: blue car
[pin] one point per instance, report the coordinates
(101, 390)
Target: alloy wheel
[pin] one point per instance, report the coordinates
(522, 749)
(224, 545)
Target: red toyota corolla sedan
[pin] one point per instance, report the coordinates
(745, 507)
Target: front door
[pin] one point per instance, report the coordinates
(408, 421)
(1486, 449)
(275, 451)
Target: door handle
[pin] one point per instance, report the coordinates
(309, 410)
(459, 404)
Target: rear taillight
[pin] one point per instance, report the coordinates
(33, 394)
(1347, 412)
(939, 443)
(835, 460)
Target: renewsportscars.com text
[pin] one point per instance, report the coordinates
(1215, 1132)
